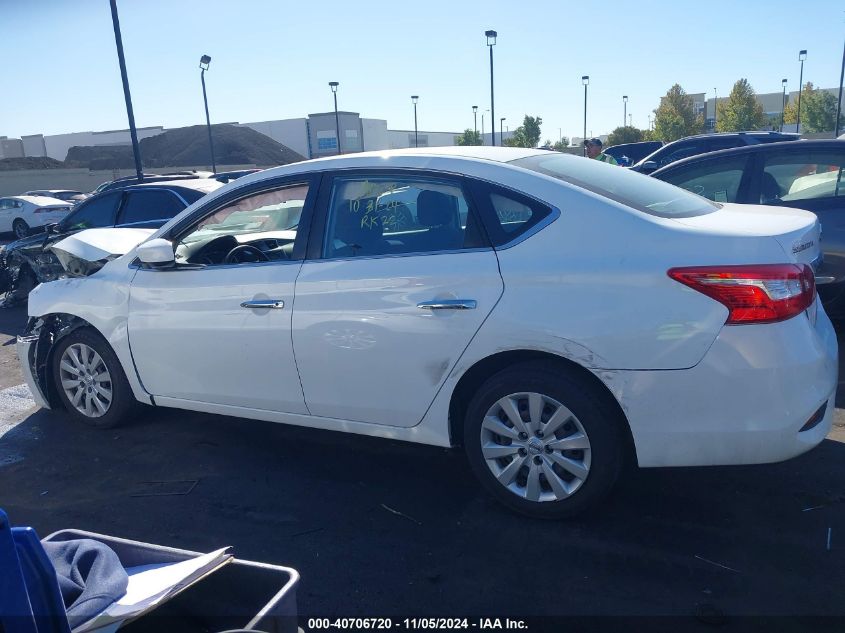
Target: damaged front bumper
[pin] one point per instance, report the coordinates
(27, 347)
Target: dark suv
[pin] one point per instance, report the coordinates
(704, 143)
(28, 262)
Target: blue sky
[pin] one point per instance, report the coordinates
(274, 59)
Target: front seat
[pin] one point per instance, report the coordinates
(769, 188)
(439, 212)
(360, 232)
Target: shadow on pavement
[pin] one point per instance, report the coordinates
(669, 542)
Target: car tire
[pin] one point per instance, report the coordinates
(563, 454)
(90, 380)
(20, 228)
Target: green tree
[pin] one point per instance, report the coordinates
(561, 145)
(741, 110)
(527, 134)
(676, 118)
(469, 137)
(818, 110)
(627, 134)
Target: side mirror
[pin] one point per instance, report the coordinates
(158, 253)
(649, 166)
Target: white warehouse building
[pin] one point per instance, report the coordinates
(312, 136)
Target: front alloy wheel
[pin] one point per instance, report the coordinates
(90, 381)
(86, 380)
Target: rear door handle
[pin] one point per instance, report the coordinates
(448, 304)
(259, 304)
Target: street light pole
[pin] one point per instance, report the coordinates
(839, 103)
(715, 108)
(586, 81)
(491, 42)
(501, 135)
(625, 111)
(630, 118)
(783, 103)
(333, 85)
(802, 55)
(416, 135)
(475, 119)
(136, 150)
(205, 60)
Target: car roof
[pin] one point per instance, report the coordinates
(40, 200)
(204, 185)
(795, 146)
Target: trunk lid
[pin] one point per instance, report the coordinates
(798, 232)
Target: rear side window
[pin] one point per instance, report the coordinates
(93, 213)
(507, 215)
(143, 206)
(806, 175)
(634, 190)
(716, 180)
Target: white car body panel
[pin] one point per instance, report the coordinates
(365, 351)
(227, 354)
(96, 244)
(590, 287)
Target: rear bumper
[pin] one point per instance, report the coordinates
(744, 403)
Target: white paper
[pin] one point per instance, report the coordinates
(151, 584)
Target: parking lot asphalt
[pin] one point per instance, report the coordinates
(384, 528)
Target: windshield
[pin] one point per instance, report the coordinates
(637, 191)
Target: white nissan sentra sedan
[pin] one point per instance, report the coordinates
(553, 315)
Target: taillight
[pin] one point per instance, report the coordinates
(51, 209)
(762, 293)
(39, 210)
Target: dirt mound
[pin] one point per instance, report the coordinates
(188, 146)
(30, 162)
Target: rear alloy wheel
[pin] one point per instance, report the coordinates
(20, 228)
(90, 380)
(543, 442)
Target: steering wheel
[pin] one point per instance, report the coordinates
(232, 255)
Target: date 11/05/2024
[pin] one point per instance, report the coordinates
(429, 624)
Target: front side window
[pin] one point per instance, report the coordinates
(716, 180)
(803, 175)
(93, 213)
(258, 228)
(389, 216)
(637, 191)
(143, 206)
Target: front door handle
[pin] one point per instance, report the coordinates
(259, 304)
(448, 304)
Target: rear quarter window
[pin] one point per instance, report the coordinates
(643, 193)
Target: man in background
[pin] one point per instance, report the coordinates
(594, 146)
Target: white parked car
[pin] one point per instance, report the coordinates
(19, 214)
(67, 195)
(555, 316)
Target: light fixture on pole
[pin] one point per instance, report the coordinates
(414, 99)
(586, 81)
(205, 60)
(782, 103)
(491, 42)
(333, 85)
(475, 119)
(625, 111)
(802, 55)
